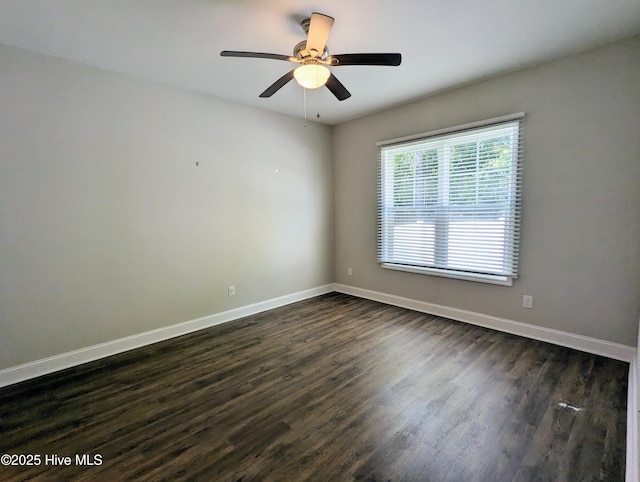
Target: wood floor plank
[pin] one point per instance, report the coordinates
(331, 388)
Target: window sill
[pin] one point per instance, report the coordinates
(480, 278)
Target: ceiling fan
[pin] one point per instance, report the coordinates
(314, 59)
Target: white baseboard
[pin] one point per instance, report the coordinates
(633, 425)
(36, 368)
(557, 337)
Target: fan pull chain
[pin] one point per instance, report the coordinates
(304, 96)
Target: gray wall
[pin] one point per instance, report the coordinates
(108, 228)
(580, 251)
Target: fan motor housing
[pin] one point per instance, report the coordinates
(300, 51)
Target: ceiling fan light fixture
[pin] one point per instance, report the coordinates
(312, 76)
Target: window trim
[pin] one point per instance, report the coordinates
(459, 128)
(442, 272)
(449, 273)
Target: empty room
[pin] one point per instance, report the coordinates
(328, 241)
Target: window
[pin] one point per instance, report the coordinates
(449, 201)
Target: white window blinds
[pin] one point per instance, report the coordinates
(449, 201)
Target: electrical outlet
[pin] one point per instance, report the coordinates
(527, 301)
(349, 271)
(232, 290)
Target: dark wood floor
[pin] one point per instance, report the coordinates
(329, 389)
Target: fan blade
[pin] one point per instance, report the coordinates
(337, 89)
(278, 84)
(391, 60)
(319, 30)
(256, 55)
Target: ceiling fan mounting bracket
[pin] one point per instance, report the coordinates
(305, 25)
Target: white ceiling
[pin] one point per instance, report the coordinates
(444, 43)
